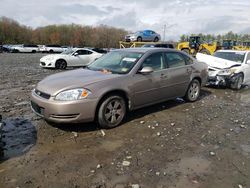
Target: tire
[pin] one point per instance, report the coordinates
(139, 39)
(238, 81)
(186, 51)
(33, 51)
(193, 91)
(61, 64)
(111, 112)
(156, 39)
(51, 51)
(204, 51)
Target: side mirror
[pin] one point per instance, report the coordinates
(76, 54)
(146, 70)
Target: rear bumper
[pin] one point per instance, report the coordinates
(64, 111)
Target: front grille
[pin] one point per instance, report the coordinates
(39, 110)
(42, 94)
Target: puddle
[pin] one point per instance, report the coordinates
(19, 135)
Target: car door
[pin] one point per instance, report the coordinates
(147, 87)
(146, 35)
(178, 74)
(84, 57)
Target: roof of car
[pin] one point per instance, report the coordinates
(145, 50)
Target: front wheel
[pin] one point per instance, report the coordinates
(61, 64)
(237, 81)
(193, 91)
(111, 112)
(186, 51)
(204, 51)
(139, 39)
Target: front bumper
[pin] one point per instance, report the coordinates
(64, 111)
(47, 64)
(221, 80)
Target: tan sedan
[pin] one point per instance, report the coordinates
(118, 82)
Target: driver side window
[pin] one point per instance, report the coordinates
(155, 61)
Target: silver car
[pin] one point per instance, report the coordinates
(118, 82)
(141, 36)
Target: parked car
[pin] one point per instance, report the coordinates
(25, 48)
(69, 58)
(52, 48)
(6, 48)
(228, 68)
(121, 80)
(158, 45)
(140, 36)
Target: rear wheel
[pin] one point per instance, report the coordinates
(51, 51)
(237, 81)
(156, 39)
(193, 91)
(61, 64)
(112, 111)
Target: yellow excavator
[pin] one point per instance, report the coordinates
(195, 45)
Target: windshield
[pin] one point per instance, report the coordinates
(232, 56)
(118, 62)
(68, 51)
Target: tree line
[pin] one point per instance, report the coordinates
(11, 32)
(219, 38)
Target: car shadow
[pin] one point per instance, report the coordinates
(162, 106)
(90, 127)
(18, 137)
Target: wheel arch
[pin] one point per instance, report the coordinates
(119, 92)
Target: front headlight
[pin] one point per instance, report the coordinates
(73, 94)
(224, 72)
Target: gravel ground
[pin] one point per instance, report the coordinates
(172, 144)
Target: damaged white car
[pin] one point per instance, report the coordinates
(229, 68)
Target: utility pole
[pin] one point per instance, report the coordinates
(164, 32)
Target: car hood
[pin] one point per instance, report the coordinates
(72, 79)
(216, 62)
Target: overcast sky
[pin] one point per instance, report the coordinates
(179, 16)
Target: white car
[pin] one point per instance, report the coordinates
(51, 48)
(69, 58)
(227, 68)
(25, 48)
